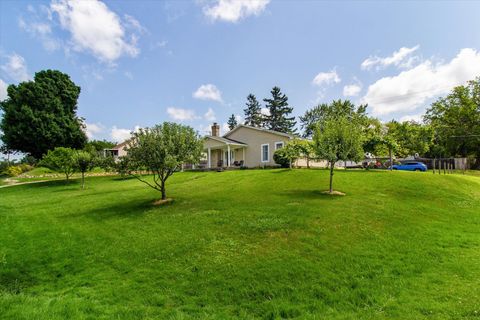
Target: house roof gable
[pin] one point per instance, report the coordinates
(226, 140)
(258, 129)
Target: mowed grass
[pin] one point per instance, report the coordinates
(247, 244)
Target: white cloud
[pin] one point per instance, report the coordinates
(3, 90)
(42, 31)
(181, 114)
(16, 68)
(94, 28)
(412, 117)
(93, 129)
(234, 10)
(209, 115)
(352, 90)
(119, 135)
(326, 78)
(410, 89)
(401, 58)
(208, 92)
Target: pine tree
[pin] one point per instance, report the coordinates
(232, 122)
(253, 115)
(279, 119)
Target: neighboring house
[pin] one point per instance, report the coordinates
(117, 151)
(243, 146)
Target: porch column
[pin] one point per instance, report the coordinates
(243, 158)
(228, 155)
(209, 158)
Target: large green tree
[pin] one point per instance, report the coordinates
(279, 118)
(162, 150)
(253, 114)
(455, 121)
(336, 109)
(408, 138)
(40, 115)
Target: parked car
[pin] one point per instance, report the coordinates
(410, 166)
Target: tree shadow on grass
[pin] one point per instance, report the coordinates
(310, 194)
(131, 209)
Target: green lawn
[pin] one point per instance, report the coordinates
(243, 244)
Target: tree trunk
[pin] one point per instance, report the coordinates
(308, 163)
(390, 156)
(83, 180)
(164, 192)
(290, 164)
(332, 165)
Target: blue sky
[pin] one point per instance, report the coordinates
(144, 62)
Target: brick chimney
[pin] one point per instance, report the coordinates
(215, 129)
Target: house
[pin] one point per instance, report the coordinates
(243, 146)
(117, 151)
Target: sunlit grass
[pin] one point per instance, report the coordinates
(243, 244)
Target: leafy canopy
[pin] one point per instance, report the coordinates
(338, 138)
(455, 121)
(162, 150)
(60, 159)
(324, 111)
(40, 115)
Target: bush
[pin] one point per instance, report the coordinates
(281, 157)
(13, 171)
(25, 167)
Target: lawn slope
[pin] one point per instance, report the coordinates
(246, 244)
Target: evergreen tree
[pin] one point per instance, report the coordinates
(253, 115)
(232, 122)
(279, 111)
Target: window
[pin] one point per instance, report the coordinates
(265, 155)
(278, 145)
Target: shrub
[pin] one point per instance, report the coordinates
(60, 159)
(13, 171)
(281, 157)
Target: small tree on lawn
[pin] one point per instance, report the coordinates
(60, 159)
(162, 150)
(338, 139)
(84, 161)
(306, 150)
(286, 155)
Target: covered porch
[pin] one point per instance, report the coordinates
(224, 153)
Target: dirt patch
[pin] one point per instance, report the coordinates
(162, 202)
(334, 193)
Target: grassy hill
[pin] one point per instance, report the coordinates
(245, 244)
